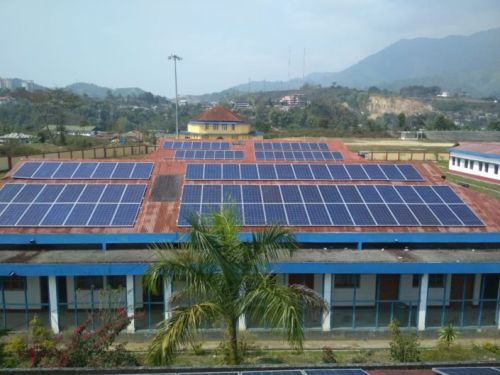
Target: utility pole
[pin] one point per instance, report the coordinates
(176, 58)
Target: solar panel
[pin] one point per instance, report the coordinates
(466, 371)
(303, 171)
(409, 172)
(343, 371)
(267, 172)
(70, 204)
(298, 155)
(374, 172)
(335, 205)
(188, 145)
(84, 170)
(392, 172)
(195, 171)
(273, 372)
(287, 146)
(231, 172)
(208, 155)
(339, 172)
(356, 172)
(249, 172)
(320, 172)
(284, 172)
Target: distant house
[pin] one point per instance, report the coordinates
(86, 130)
(293, 100)
(7, 100)
(20, 137)
(134, 136)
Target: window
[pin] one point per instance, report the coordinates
(496, 168)
(116, 282)
(471, 164)
(436, 280)
(486, 167)
(346, 281)
(480, 166)
(453, 160)
(224, 127)
(207, 127)
(88, 282)
(458, 162)
(466, 163)
(233, 127)
(216, 126)
(13, 283)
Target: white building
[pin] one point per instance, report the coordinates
(476, 159)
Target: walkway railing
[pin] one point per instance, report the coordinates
(406, 155)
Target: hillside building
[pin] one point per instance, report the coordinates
(378, 241)
(476, 160)
(219, 123)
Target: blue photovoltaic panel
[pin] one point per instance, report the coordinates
(291, 194)
(70, 204)
(27, 169)
(208, 155)
(231, 172)
(447, 194)
(389, 194)
(191, 194)
(408, 194)
(271, 194)
(343, 371)
(212, 194)
(296, 214)
(46, 170)
(392, 172)
(428, 194)
(213, 171)
(374, 172)
(303, 171)
(253, 214)
(350, 194)
(267, 171)
(465, 214)
(382, 215)
(34, 214)
(272, 372)
(403, 214)
(185, 213)
(320, 172)
(409, 172)
(275, 214)
(287, 146)
(339, 172)
(318, 214)
(356, 172)
(369, 194)
(445, 214)
(339, 214)
(198, 145)
(466, 371)
(195, 171)
(360, 214)
(284, 172)
(251, 194)
(423, 213)
(330, 194)
(298, 155)
(84, 170)
(310, 193)
(231, 194)
(249, 172)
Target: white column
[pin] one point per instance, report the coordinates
(477, 289)
(54, 311)
(131, 302)
(327, 297)
(167, 293)
(242, 324)
(498, 302)
(422, 307)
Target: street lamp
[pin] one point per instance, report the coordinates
(176, 58)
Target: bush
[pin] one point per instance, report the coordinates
(404, 347)
(328, 356)
(448, 335)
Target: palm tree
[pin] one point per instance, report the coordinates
(227, 278)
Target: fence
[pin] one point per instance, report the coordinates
(7, 162)
(407, 155)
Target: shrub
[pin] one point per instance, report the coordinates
(327, 355)
(404, 347)
(448, 335)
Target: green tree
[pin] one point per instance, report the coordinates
(404, 347)
(442, 123)
(401, 121)
(225, 279)
(494, 125)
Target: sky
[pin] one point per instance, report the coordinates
(126, 43)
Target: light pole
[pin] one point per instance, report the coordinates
(176, 58)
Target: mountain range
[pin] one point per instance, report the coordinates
(455, 63)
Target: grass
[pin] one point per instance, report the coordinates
(490, 189)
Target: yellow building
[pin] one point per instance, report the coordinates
(219, 123)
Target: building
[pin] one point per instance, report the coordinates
(293, 100)
(82, 130)
(476, 160)
(219, 123)
(18, 137)
(377, 241)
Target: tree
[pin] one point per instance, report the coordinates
(401, 121)
(404, 347)
(225, 278)
(442, 123)
(494, 125)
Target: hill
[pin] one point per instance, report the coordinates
(95, 91)
(455, 63)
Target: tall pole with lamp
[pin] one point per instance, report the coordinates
(176, 58)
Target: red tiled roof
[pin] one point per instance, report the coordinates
(217, 113)
(481, 147)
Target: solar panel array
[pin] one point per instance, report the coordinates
(467, 371)
(332, 371)
(70, 205)
(84, 170)
(331, 205)
(391, 172)
(290, 146)
(196, 145)
(208, 155)
(298, 155)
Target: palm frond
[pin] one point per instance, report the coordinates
(269, 245)
(179, 330)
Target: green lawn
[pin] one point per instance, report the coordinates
(492, 190)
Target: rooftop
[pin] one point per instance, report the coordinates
(217, 114)
(479, 149)
(158, 213)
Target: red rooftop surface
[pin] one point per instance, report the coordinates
(217, 114)
(161, 217)
(482, 147)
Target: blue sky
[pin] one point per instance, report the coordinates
(125, 43)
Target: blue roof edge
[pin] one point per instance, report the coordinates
(473, 153)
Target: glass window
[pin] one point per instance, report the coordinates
(486, 167)
(216, 126)
(233, 127)
(13, 282)
(466, 163)
(453, 160)
(458, 162)
(207, 127)
(88, 282)
(471, 164)
(436, 280)
(116, 282)
(496, 168)
(346, 281)
(224, 127)
(480, 166)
